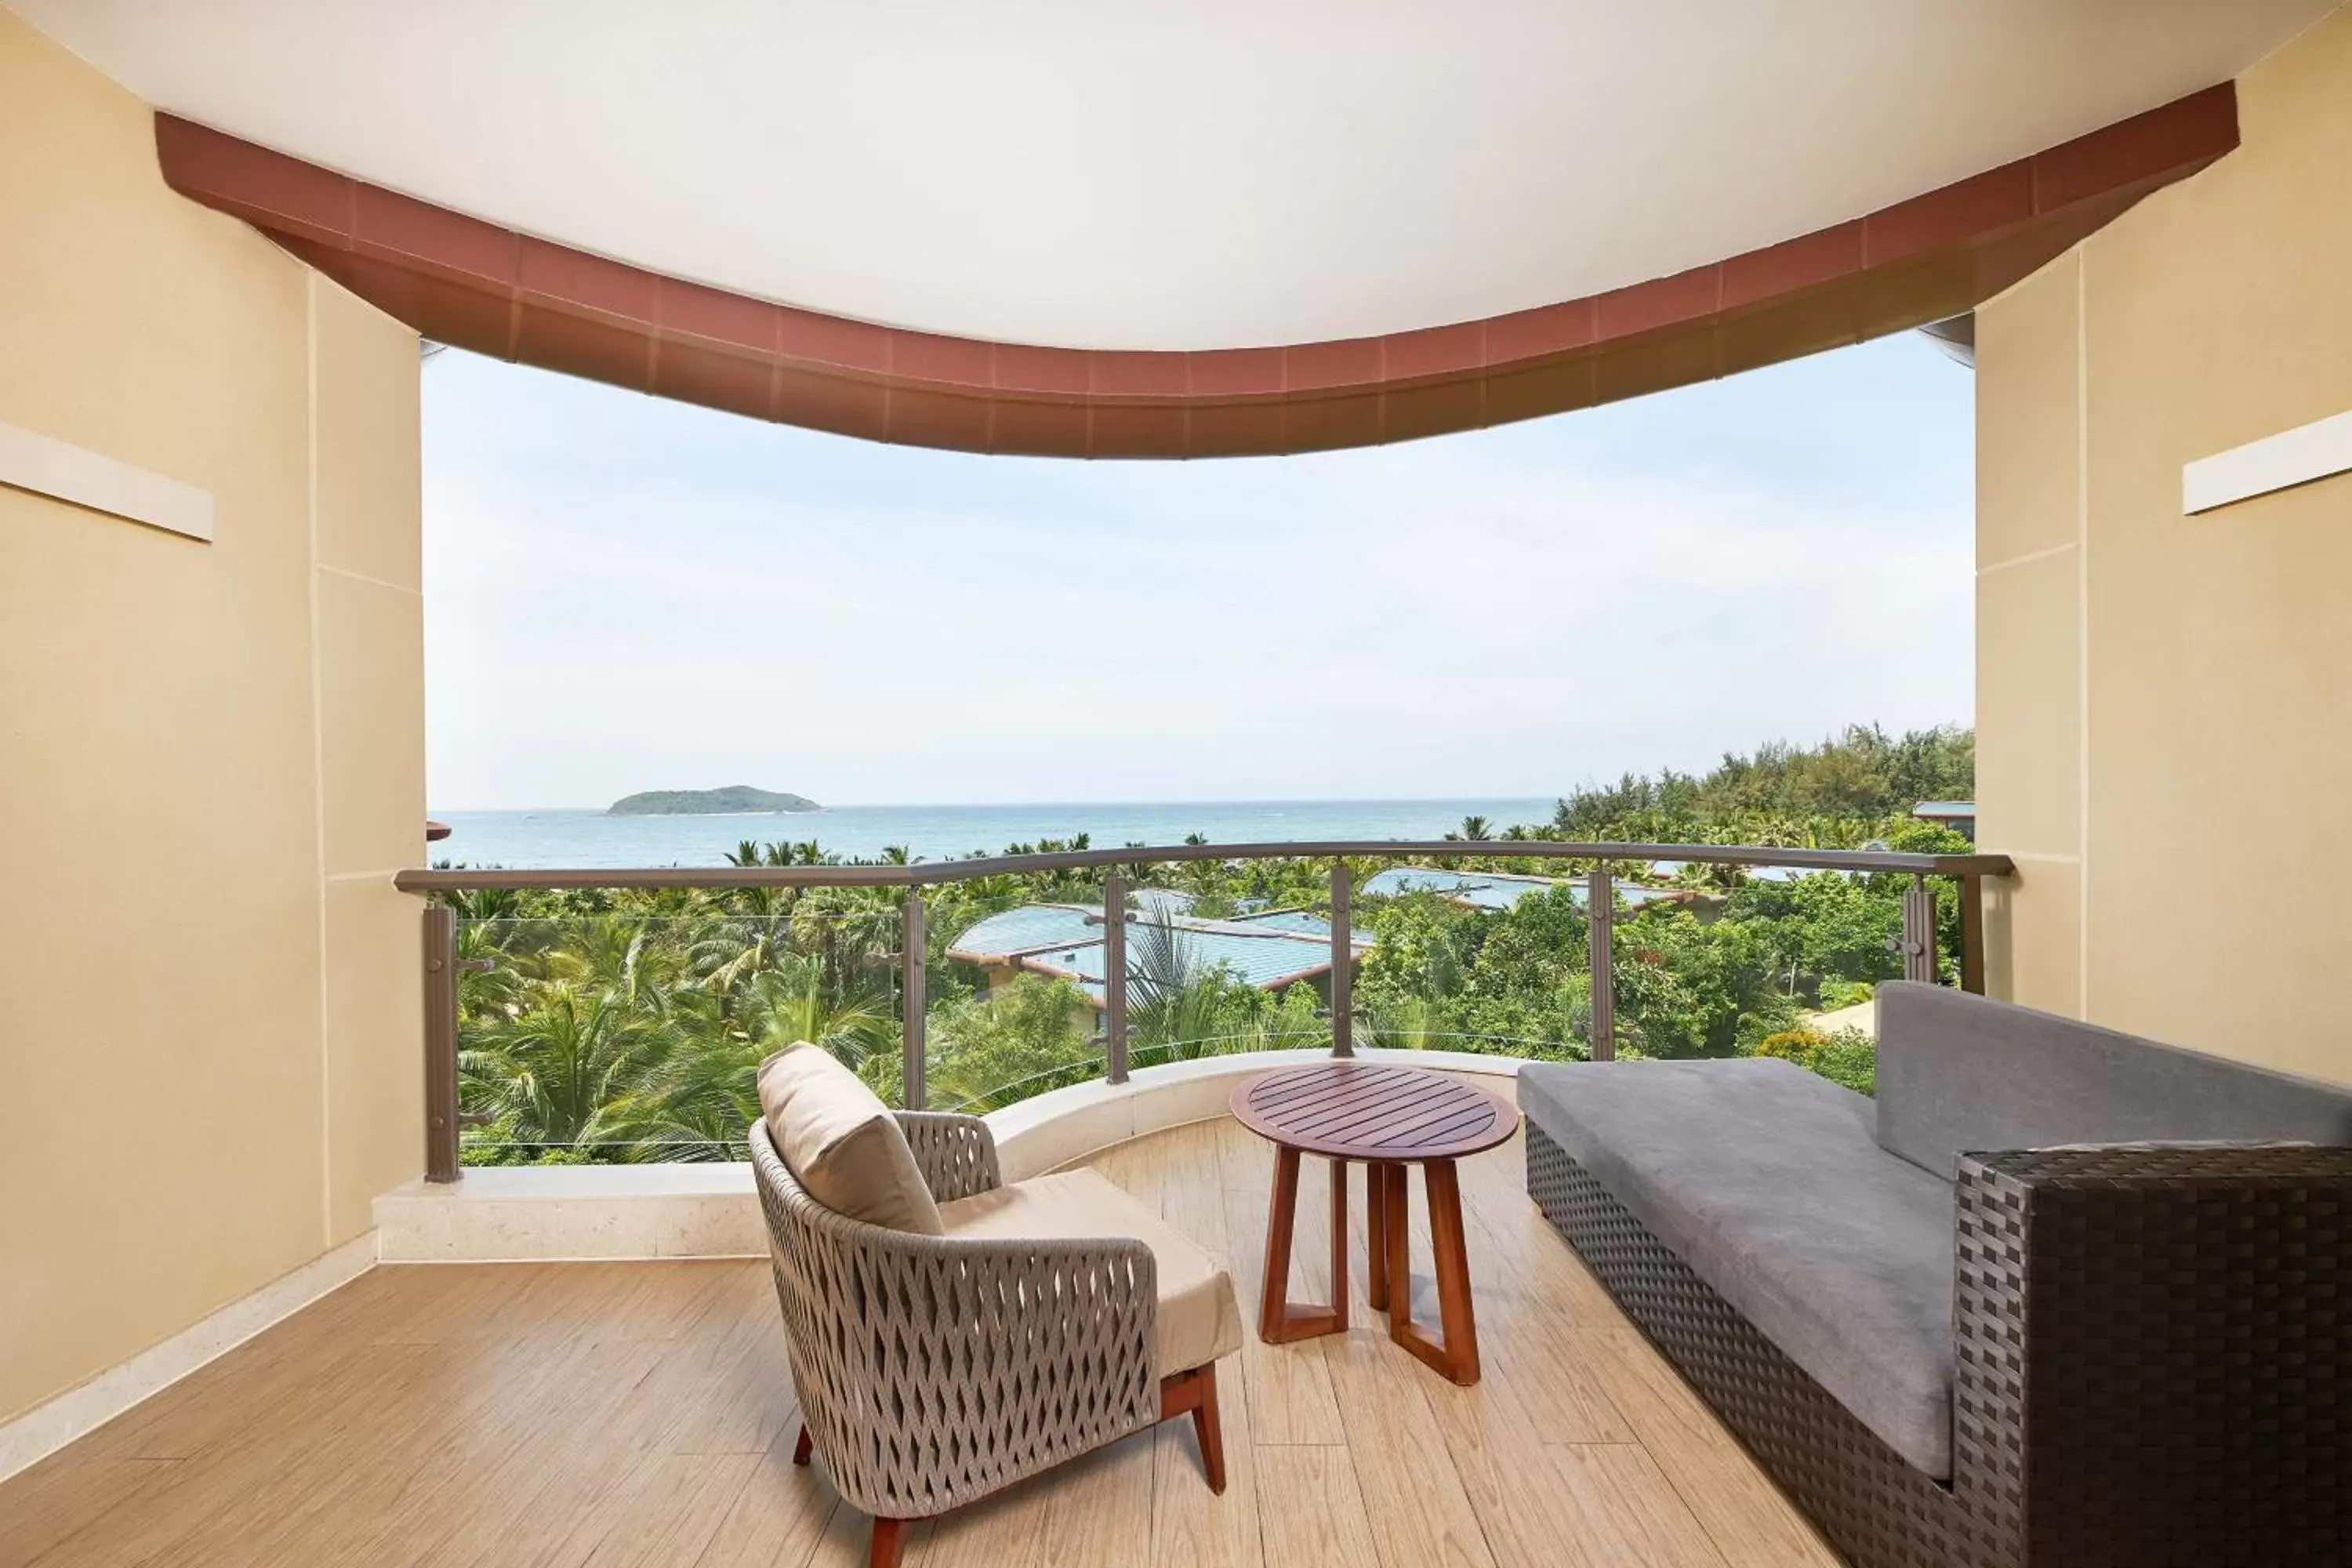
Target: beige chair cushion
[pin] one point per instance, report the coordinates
(1199, 1318)
(841, 1141)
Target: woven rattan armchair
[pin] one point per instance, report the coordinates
(933, 1371)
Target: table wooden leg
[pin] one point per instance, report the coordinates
(1278, 1318)
(1454, 1351)
(1376, 1234)
(1338, 1244)
(1281, 1215)
(1399, 1268)
(1456, 1316)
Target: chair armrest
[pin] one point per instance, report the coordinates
(957, 1155)
(981, 1362)
(2127, 1316)
(933, 1370)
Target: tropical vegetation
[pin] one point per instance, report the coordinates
(606, 1023)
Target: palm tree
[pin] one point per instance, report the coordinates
(546, 1073)
(854, 932)
(793, 1004)
(695, 1103)
(1295, 1021)
(488, 980)
(1474, 828)
(726, 951)
(1406, 1024)
(631, 952)
(1160, 959)
(1180, 1004)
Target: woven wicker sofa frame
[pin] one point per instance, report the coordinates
(933, 1371)
(2151, 1363)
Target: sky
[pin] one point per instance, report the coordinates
(623, 593)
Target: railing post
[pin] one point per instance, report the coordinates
(914, 951)
(1972, 941)
(440, 1043)
(1115, 977)
(1343, 963)
(1600, 943)
(1919, 931)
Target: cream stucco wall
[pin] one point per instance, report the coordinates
(211, 755)
(2165, 702)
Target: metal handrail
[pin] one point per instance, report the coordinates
(928, 873)
(1917, 944)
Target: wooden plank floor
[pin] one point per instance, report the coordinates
(642, 1413)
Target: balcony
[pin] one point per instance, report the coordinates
(254, 1088)
(516, 1407)
(642, 1413)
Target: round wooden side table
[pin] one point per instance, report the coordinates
(1385, 1118)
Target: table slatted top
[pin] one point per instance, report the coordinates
(1373, 1111)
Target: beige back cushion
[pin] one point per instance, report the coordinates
(837, 1137)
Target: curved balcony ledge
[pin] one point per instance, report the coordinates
(1066, 1125)
(555, 1212)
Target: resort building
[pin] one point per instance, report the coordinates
(1272, 951)
(1960, 816)
(1719, 1313)
(1500, 890)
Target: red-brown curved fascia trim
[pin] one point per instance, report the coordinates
(470, 283)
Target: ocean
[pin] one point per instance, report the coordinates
(590, 838)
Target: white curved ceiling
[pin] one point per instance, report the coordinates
(1177, 173)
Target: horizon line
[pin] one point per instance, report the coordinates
(1038, 804)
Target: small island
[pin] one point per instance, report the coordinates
(732, 801)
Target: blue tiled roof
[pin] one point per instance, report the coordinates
(1487, 890)
(1303, 921)
(1492, 890)
(1030, 926)
(1046, 925)
(1263, 960)
(1267, 948)
(1067, 939)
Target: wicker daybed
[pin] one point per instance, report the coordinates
(940, 1356)
(2102, 1347)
